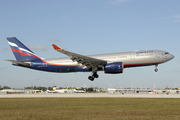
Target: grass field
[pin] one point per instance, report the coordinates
(89, 109)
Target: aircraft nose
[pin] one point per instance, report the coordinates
(171, 56)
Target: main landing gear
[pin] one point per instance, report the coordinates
(156, 69)
(95, 75)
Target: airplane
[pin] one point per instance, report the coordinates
(79, 91)
(113, 63)
(48, 91)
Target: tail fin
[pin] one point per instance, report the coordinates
(21, 52)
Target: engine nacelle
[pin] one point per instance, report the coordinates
(114, 68)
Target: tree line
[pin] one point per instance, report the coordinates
(45, 88)
(4, 87)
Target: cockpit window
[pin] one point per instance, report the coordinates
(166, 53)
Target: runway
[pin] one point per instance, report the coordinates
(90, 95)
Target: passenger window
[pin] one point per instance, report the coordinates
(166, 53)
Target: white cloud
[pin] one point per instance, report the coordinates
(2, 68)
(178, 60)
(64, 18)
(37, 79)
(175, 70)
(116, 2)
(50, 78)
(5, 49)
(177, 20)
(177, 17)
(40, 47)
(121, 0)
(55, 40)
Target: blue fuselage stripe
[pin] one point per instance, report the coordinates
(58, 68)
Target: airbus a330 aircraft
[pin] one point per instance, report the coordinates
(109, 63)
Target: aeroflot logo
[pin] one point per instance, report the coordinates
(144, 52)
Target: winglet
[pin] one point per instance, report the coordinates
(56, 47)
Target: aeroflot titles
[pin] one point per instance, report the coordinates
(144, 52)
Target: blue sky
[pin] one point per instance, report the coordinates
(91, 27)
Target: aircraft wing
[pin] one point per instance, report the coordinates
(89, 62)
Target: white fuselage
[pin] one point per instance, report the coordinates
(129, 59)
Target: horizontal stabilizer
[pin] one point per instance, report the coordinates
(20, 63)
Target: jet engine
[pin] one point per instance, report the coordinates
(114, 68)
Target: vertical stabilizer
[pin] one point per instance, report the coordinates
(21, 52)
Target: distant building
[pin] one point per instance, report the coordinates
(148, 91)
(68, 90)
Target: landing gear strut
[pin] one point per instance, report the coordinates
(95, 75)
(156, 69)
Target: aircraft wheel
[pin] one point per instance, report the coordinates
(95, 75)
(91, 78)
(156, 70)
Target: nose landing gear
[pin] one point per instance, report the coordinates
(156, 69)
